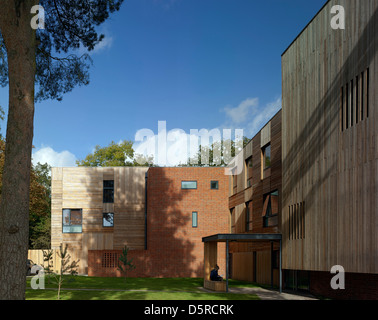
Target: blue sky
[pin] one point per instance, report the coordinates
(192, 63)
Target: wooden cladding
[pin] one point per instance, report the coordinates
(354, 97)
(297, 221)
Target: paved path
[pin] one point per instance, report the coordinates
(265, 294)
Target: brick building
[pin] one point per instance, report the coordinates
(161, 214)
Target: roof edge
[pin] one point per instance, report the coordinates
(328, 1)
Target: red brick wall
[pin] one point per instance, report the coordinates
(358, 286)
(174, 248)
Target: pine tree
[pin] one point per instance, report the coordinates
(125, 264)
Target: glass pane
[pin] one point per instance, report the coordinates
(109, 184)
(267, 156)
(108, 220)
(194, 219)
(274, 202)
(72, 229)
(249, 170)
(66, 217)
(75, 217)
(108, 196)
(214, 184)
(188, 184)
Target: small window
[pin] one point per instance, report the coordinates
(232, 218)
(108, 194)
(188, 184)
(214, 185)
(108, 219)
(270, 209)
(354, 104)
(248, 216)
(194, 219)
(248, 165)
(267, 156)
(72, 221)
(234, 182)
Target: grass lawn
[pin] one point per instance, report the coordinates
(95, 288)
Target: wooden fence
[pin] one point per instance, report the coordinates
(37, 257)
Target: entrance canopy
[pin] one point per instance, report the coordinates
(211, 249)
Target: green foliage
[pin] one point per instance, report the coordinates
(39, 202)
(65, 266)
(43, 176)
(217, 155)
(70, 25)
(40, 207)
(125, 264)
(48, 258)
(114, 155)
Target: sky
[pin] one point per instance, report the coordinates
(190, 64)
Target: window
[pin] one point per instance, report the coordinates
(108, 219)
(232, 217)
(194, 219)
(108, 194)
(248, 170)
(214, 185)
(72, 221)
(248, 217)
(234, 182)
(354, 96)
(188, 184)
(270, 209)
(266, 157)
(297, 221)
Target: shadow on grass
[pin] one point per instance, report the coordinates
(50, 294)
(94, 288)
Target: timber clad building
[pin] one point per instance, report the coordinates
(305, 201)
(330, 151)
(255, 207)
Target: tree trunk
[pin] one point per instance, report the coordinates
(19, 39)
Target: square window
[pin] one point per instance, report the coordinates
(108, 219)
(72, 220)
(214, 185)
(188, 184)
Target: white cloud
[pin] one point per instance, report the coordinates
(239, 114)
(262, 115)
(106, 43)
(54, 158)
(250, 116)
